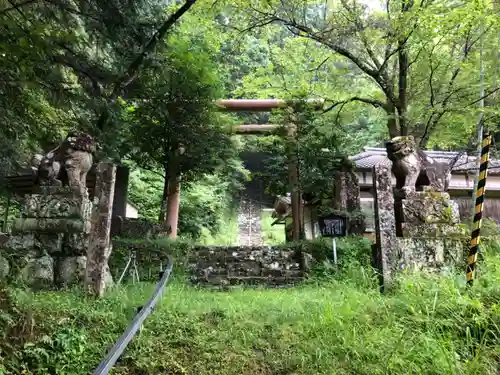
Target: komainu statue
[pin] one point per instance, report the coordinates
(413, 169)
(72, 159)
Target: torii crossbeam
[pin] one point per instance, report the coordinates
(255, 105)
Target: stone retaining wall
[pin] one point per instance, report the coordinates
(224, 267)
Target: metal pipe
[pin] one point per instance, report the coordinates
(116, 351)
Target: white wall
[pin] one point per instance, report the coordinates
(458, 181)
(131, 211)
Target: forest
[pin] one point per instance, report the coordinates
(143, 78)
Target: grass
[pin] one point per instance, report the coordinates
(273, 235)
(428, 325)
(227, 234)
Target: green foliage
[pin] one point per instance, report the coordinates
(351, 251)
(206, 207)
(175, 110)
(428, 325)
(414, 67)
(316, 149)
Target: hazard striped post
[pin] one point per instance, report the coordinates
(478, 210)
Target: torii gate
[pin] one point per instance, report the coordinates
(255, 105)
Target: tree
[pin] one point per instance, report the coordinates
(173, 125)
(78, 58)
(419, 56)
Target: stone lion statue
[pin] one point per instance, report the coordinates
(72, 159)
(414, 169)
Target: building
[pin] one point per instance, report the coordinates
(131, 211)
(460, 189)
(461, 184)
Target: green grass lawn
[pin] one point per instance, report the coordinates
(427, 326)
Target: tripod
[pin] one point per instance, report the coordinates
(132, 260)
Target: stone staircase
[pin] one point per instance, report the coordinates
(226, 267)
(249, 228)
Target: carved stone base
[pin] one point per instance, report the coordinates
(429, 207)
(62, 202)
(435, 230)
(430, 254)
(47, 244)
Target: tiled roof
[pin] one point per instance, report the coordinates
(372, 156)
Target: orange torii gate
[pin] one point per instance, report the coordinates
(254, 105)
(267, 105)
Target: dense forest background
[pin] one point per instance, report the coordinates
(142, 76)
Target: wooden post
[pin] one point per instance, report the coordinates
(293, 179)
(99, 248)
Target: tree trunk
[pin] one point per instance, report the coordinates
(402, 107)
(163, 208)
(392, 124)
(173, 203)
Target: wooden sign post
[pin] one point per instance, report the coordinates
(333, 226)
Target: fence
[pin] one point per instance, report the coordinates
(491, 209)
(119, 347)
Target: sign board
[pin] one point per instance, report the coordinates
(333, 226)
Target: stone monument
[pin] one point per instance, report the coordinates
(346, 199)
(422, 232)
(48, 245)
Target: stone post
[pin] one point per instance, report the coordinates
(386, 248)
(97, 269)
(347, 200)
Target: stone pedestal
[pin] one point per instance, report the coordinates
(419, 232)
(97, 273)
(431, 237)
(48, 243)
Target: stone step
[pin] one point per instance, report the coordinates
(247, 280)
(244, 273)
(229, 266)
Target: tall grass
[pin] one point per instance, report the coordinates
(428, 325)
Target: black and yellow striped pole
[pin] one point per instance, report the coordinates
(478, 211)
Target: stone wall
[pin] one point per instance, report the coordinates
(227, 266)
(124, 227)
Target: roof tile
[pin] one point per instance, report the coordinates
(372, 156)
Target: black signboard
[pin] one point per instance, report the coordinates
(333, 226)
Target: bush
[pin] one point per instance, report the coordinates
(350, 250)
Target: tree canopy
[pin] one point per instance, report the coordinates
(142, 76)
